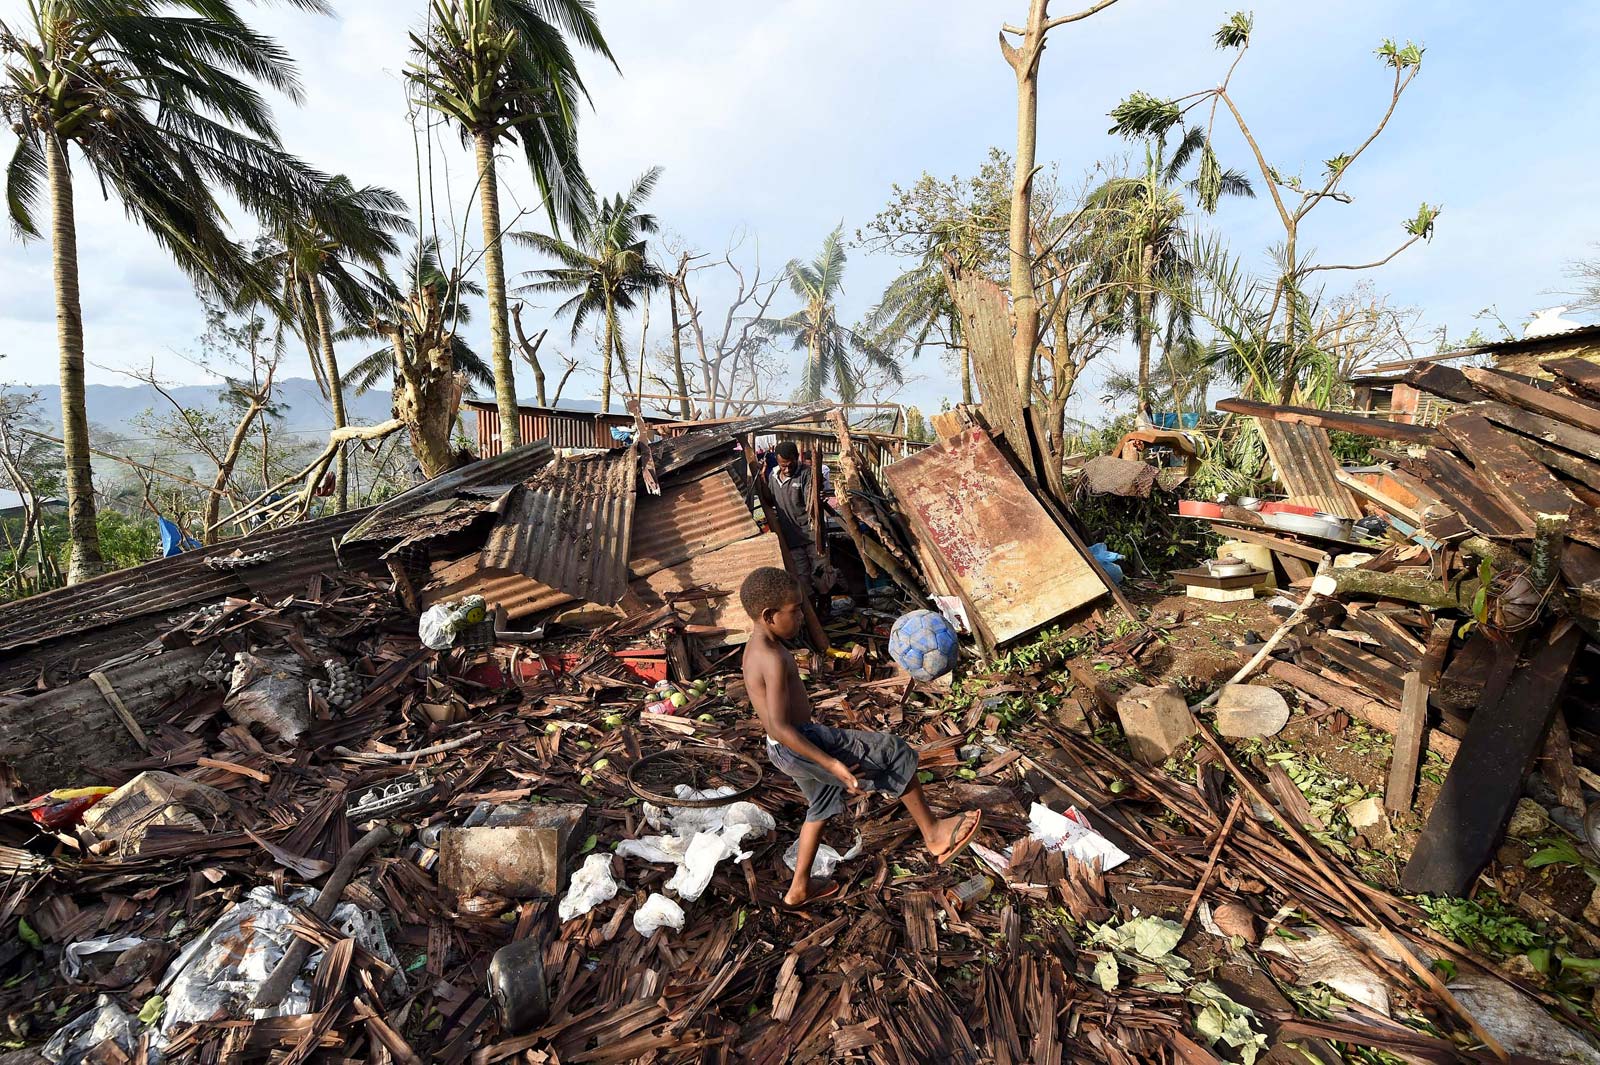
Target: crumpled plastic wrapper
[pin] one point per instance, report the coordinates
(826, 861)
(73, 1042)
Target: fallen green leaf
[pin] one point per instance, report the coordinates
(26, 933)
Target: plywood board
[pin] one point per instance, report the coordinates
(1015, 567)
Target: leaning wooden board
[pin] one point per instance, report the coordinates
(1485, 781)
(1014, 565)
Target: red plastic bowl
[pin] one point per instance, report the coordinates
(1198, 508)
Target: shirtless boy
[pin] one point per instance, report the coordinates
(827, 763)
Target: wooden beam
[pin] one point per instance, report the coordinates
(1483, 785)
(1358, 705)
(1544, 430)
(1578, 373)
(1280, 545)
(1505, 387)
(1327, 419)
(1402, 784)
(1514, 476)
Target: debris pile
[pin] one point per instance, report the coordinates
(286, 828)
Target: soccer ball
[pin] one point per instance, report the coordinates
(924, 644)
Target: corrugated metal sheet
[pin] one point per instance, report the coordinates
(682, 451)
(110, 614)
(1016, 569)
(724, 570)
(519, 596)
(569, 526)
(688, 519)
(559, 428)
(390, 520)
(1305, 466)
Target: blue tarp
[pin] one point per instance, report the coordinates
(172, 538)
(1172, 419)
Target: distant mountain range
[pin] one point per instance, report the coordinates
(114, 407)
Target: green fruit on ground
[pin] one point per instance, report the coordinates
(679, 699)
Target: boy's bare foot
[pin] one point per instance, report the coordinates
(952, 834)
(814, 890)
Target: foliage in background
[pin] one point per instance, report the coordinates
(1352, 449)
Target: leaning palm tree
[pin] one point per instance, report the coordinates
(830, 347)
(1146, 265)
(425, 360)
(156, 97)
(604, 269)
(502, 70)
(916, 309)
(326, 257)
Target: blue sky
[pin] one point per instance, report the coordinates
(781, 120)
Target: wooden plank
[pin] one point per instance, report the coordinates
(1446, 382)
(1505, 387)
(1383, 679)
(1402, 784)
(1327, 419)
(1544, 430)
(1434, 652)
(1453, 480)
(1357, 705)
(1256, 534)
(1484, 783)
(1514, 476)
(1579, 373)
(1559, 768)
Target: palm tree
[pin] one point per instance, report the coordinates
(604, 268)
(160, 110)
(328, 256)
(425, 359)
(815, 329)
(916, 307)
(501, 69)
(1147, 267)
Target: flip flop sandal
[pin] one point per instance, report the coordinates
(960, 845)
(829, 892)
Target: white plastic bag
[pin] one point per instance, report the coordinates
(658, 911)
(74, 1040)
(437, 627)
(590, 886)
(826, 861)
(72, 957)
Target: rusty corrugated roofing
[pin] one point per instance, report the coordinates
(569, 526)
(393, 519)
(688, 519)
(675, 453)
(130, 597)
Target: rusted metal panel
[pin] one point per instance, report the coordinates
(519, 596)
(686, 520)
(1305, 466)
(559, 428)
(131, 596)
(723, 570)
(569, 526)
(1014, 566)
(394, 519)
(679, 452)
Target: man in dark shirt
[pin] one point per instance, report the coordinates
(790, 482)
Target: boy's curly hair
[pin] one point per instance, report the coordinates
(767, 588)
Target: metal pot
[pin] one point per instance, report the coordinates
(1227, 567)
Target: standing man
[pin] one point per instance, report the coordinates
(790, 482)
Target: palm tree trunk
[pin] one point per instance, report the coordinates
(82, 530)
(966, 375)
(494, 269)
(330, 366)
(605, 361)
(1144, 310)
(677, 356)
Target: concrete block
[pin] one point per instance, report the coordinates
(521, 854)
(1156, 721)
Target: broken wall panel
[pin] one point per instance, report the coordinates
(689, 519)
(1014, 566)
